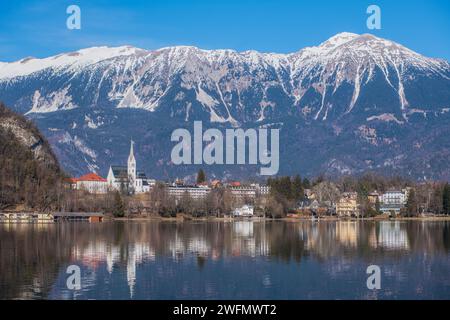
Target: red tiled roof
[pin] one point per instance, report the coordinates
(90, 177)
(72, 180)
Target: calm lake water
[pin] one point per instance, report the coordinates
(226, 260)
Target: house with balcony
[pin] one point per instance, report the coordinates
(347, 206)
(392, 201)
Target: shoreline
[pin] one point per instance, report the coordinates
(186, 218)
(258, 219)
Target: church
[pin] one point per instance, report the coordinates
(128, 177)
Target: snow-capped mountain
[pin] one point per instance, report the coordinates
(351, 91)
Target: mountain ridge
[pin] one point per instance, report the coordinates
(356, 87)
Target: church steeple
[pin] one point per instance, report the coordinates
(131, 156)
(132, 166)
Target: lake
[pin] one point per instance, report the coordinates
(226, 260)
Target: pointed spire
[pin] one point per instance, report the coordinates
(132, 148)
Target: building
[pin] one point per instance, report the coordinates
(135, 181)
(43, 217)
(243, 191)
(373, 197)
(393, 200)
(309, 194)
(216, 184)
(91, 183)
(347, 205)
(249, 191)
(244, 211)
(263, 189)
(195, 192)
(78, 216)
(311, 205)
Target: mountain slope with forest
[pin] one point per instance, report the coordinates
(29, 171)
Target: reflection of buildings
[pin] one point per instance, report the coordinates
(391, 236)
(137, 253)
(112, 256)
(117, 254)
(247, 241)
(131, 271)
(243, 228)
(98, 252)
(196, 246)
(347, 233)
(340, 241)
(92, 255)
(199, 246)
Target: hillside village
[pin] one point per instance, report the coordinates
(257, 199)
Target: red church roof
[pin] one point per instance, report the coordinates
(90, 177)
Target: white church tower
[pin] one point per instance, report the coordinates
(132, 167)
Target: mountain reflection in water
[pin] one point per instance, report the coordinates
(226, 260)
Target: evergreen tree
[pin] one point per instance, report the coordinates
(306, 184)
(119, 207)
(201, 176)
(297, 188)
(286, 188)
(411, 204)
(446, 199)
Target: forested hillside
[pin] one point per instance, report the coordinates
(30, 175)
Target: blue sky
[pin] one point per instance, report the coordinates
(38, 28)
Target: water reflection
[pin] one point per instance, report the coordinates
(248, 259)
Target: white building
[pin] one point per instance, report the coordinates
(243, 191)
(393, 200)
(250, 191)
(195, 192)
(91, 183)
(244, 211)
(120, 177)
(262, 189)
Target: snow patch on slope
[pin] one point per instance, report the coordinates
(385, 117)
(56, 100)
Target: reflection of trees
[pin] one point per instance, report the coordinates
(430, 237)
(31, 256)
(285, 243)
(446, 236)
